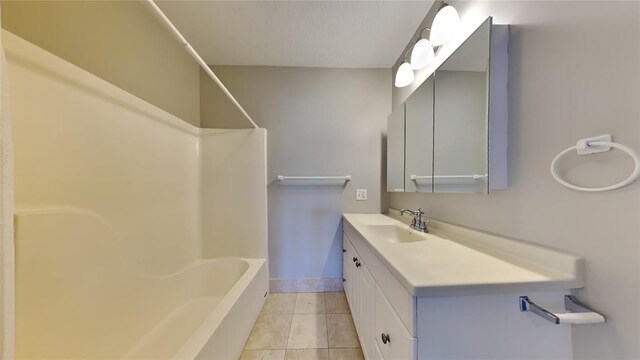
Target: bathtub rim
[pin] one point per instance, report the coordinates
(206, 330)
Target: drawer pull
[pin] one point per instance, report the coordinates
(358, 264)
(344, 250)
(355, 259)
(385, 338)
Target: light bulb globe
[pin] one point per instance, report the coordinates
(404, 75)
(444, 26)
(422, 54)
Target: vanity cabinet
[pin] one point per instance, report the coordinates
(455, 320)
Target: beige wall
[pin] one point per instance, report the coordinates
(320, 122)
(574, 72)
(119, 41)
(216, 111)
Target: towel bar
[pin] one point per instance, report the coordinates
(474, 177)
(343, 178)
(580, 314)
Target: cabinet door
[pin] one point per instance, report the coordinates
(395, 150)
(356, 289)
(347, 253)
(392, 336)
(377, 354)
(461, 117)
(366, 307)
(419, 139)
(346, 279)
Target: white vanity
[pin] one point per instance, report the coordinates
(453, 293)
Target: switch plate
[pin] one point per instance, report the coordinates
(361, 194)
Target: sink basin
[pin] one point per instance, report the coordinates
(394, 233)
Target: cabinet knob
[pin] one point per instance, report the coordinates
(358, 264)
(385, 338)
(355, 259)
(344, 250)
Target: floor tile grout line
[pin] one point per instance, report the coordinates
(326, 319)
(291, 322)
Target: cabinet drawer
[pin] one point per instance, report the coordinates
(400, 344)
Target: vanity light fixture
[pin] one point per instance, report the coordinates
(422, 53)
(404, 75)
(444, 25)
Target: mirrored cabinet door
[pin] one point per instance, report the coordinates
(395, 150)
(460, 148)
(450, 135)
(419, 139)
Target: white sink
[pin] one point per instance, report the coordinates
(395, 233)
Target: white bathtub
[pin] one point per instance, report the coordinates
(79, 296)
(216, 322)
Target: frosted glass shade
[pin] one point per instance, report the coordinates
(404, 75)
(422, 54)
(444, 26)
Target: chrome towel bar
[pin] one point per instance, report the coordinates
(579, 313)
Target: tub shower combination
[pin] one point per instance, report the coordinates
(127, 245)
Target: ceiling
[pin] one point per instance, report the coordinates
(339, 34)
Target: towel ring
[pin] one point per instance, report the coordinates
(606, 144)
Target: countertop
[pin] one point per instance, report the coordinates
(458, 261)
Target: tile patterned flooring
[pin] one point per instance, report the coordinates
(304, 326)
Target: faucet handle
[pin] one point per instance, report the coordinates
(419, 212)
(423, 225)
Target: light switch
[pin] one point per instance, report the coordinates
(361, 194)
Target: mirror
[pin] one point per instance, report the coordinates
(419, 139)
(395, 150)
(460, 146)
(450, 135)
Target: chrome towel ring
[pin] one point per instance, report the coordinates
(596, 145)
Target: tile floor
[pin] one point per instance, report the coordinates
(305, 326)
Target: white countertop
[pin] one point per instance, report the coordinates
(449, 263)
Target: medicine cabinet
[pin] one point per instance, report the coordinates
(450, 135)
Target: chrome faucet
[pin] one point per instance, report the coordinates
(418, 223)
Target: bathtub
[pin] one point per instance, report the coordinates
(85, 299)
(215, 323)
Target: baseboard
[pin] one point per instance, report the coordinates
(305, 285)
